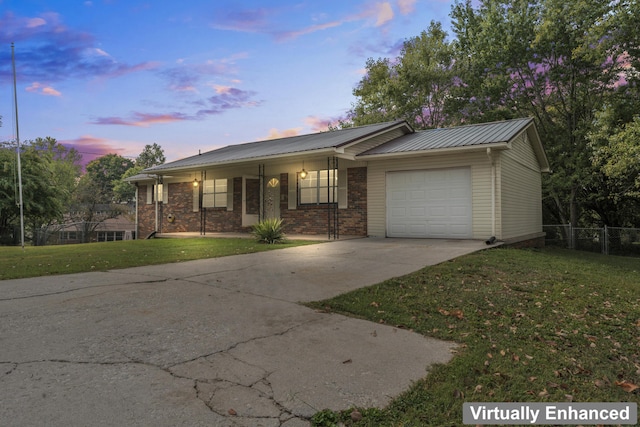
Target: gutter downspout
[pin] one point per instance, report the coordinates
(155, 197)
(136, 220)
(493, 192)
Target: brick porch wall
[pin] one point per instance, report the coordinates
(304, 220)
(314, 219)
(221, 220)
(181, 206)
(146, 214)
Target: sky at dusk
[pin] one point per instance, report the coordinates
(110, 76)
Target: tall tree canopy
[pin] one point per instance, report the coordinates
(151, 155)
(101, 176)
(49, 173)
(562, 63)
(413, 88)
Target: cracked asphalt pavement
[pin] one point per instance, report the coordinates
(217, 342)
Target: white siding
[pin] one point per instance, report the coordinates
(373, 142)
(521, 190)
(480, 186)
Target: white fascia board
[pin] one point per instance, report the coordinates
(435, 151)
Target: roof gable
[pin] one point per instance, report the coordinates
(469, 136)
(460, 136)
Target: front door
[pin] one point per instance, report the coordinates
(272, 197)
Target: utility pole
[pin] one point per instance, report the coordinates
(15, 100)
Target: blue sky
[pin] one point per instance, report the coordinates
(109, 76)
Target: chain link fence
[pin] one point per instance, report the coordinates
(606, 240)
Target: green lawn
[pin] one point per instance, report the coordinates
(48, 260)
(532, 326)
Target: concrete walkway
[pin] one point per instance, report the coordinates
(218, 342)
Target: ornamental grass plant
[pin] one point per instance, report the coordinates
(269, 231)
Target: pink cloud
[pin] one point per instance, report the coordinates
(318, 124)
(35, 22)
(290, 35)
(90, 147)
(275, 133)
(260, 20)
(383, 13)
(222, 89)
(42, 89)
(141, 119)
(406, 6)
(186, 77)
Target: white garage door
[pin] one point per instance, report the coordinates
(429, 203)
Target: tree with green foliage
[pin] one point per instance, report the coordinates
(559, 62)
(414, 87)
(615, 146)
(102, 174)
(151, 155)
(95, 201)
(555, 61)
(49, 171)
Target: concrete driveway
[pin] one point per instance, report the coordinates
(217, 342)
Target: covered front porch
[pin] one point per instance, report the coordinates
(319, 197)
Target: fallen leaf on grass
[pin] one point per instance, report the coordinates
(627, 386)
(455, 313)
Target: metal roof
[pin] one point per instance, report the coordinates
(460, 136)
(277, 147)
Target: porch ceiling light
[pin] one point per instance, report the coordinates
(195, 182)
(303, 173)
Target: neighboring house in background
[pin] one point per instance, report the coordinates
(106, 223)
(386, 180)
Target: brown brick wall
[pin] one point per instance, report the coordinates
(221, 220)
(304, 220)
(181, 206)
(146, 214)
(316, 219)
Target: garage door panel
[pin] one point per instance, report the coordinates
(419, 196)
(418, 211)
(398, 195)
(459, 211)
(429, 203)
(418, 229)
(398, 212)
